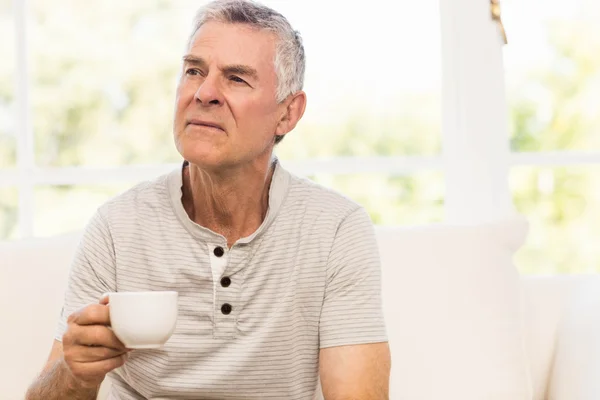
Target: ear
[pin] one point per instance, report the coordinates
(294, 107)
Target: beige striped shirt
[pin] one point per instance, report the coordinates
(307, 279)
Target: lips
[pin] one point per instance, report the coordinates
(200, 122)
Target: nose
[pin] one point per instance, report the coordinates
(209, 93)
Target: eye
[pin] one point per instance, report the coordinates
(192, 71)
(237, 79)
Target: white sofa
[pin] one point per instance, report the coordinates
(462, 323)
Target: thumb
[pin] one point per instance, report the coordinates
(104, 299)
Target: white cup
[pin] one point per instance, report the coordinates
(143, 320)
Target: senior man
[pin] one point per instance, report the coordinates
(278, 278)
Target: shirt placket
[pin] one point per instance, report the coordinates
(225, 292)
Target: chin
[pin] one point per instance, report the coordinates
(205, 158)
(198, 151)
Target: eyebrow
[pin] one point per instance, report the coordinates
(237, 69)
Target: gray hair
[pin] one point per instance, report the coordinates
(290, 61)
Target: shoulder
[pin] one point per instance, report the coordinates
(144, 196)
(320, 200)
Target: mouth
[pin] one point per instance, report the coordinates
(207, 124)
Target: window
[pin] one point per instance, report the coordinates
(562, 205)
(393, 199)
(8, 212)
(8, 143)
(392, 111)
(374, 95)
(7, 87)
(104, 96)
(100, 102)
(371, 92)
(553, 86)
(54, 204)
(405, 113)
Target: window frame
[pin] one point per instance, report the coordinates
(475, 157)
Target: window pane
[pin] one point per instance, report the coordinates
(553, 74)
(104, 76)
(7, 86)
(8, 213)
(63, 209)
(393, 200)
(563, 208)
(372, 88)
(105, 94)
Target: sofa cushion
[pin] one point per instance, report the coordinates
(544, 303)
(450, 299)
(33, 278)
(576, 369)
(451, 302)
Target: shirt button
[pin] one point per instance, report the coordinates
(226, 308)
(218, 251)
(225, 282)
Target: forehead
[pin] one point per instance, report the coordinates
(224, 43)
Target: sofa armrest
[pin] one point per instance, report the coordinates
(544, 303)
(576, 365)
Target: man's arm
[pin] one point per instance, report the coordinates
(85, 348)
(57, 382)
(77, 366)
(355, 372)
(354, 357)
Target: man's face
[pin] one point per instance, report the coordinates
(226, 111)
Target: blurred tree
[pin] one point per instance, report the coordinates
(103, 91)
(103, 85)
(8, 212)
(7, 85)
(553, 108)
(104, 96)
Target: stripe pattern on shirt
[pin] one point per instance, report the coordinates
(308, 278)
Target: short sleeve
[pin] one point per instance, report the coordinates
(92, 271)
(352, 309)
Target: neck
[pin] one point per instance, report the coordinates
(232, 203)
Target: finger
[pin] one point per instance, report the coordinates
(91, 370)
(104, 299)
(87, 354)
(93, 314)
(97, 335)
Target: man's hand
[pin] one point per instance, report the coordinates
(90, 348)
